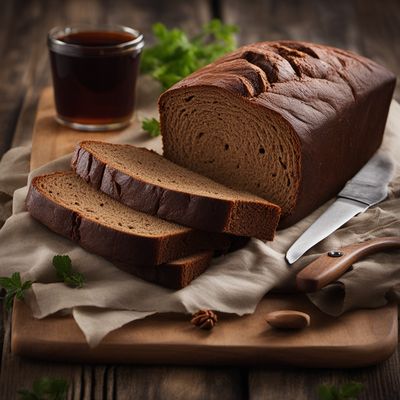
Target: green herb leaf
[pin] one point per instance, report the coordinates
(14, 288)
(16, 279)
(348, 391)
(6, 283)
(27, 395)
(351, 390)
(175, 55)
(151, 126)
(63, 266)
(326, 392)
(46, 389)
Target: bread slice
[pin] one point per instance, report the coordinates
(288, 121)
(147, 182)
(175, 274)
(70, 207)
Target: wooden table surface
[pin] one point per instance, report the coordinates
(369, 27)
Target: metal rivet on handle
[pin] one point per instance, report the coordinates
(335, 253)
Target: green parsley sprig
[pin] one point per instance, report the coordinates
(151, 126)
(46, 389)
(175, 55)
(14, 288)
(348, 391)
(63, 266)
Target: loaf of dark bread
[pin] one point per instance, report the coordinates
(70, 207)
(288, 121)
(148, 182)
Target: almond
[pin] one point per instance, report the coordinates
(288, 319)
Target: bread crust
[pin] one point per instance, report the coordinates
(175, 274)
(199, 212)
(118, 246)
(334, 102)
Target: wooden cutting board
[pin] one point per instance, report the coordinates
(357, 338)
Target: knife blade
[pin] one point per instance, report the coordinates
(367, 188)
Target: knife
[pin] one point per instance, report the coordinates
(332, 265)
(367, 188)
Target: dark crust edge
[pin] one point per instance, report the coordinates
(199, 212)
(116, 246)
(175, 274)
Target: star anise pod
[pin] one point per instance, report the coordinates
(204, 319)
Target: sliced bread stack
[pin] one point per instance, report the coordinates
(148, 182)
(132, 240)
(147, 215)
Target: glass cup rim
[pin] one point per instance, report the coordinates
(54, 43)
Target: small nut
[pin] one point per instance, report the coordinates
(204, 319)
(288, 319)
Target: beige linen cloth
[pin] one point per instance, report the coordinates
(234, 283)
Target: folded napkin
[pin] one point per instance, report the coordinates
(234, 283)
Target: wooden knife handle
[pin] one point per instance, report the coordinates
(330, 266)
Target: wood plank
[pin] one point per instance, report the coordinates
(379, 29)
(380, 382)
(180, 383)
(175, 13)
(20, 50)
(369, 27)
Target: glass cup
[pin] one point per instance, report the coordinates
(94, 73)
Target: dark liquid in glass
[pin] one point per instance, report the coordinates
(95, 89)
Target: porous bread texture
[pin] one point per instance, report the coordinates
(288, 121)
(71, 192)
(151, 167)
(230, 144)
(69, 206)
(148, 182)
